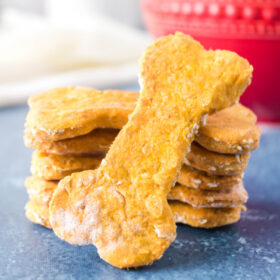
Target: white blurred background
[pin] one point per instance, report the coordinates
(52, 43)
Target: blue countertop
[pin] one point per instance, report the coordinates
(249, 249)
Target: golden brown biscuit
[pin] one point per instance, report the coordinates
(205, 217)
(214, 163)
(230, 131)
(40, 190)
(121, 207)
(193, 178)
(210, 199)
(96, 142)
(56, 167)
(37, 213)
(69, 112)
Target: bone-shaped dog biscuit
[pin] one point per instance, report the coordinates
(121, 207)
(69, 112)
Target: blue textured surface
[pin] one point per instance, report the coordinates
(249, 249)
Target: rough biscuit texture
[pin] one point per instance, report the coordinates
(209, 199)
(96, 142)
(69, 112)
(232, 130)
(194, 178)
(214, 163)
(205, 217)
(56, 167)
(40, 190)
(121, 207)
(37, 213)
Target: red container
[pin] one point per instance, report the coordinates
(249, 27)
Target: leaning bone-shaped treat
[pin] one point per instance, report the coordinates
(121, 207)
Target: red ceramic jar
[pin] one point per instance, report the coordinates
(249, 27)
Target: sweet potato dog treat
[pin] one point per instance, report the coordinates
(205, 217)
(216, 164)
(208, 199)
(121, 207)
(56, 167)
(197, 179)
(232, 130)
(96, 142)
(69, 112)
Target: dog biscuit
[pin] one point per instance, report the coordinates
(193, 178)
(230, 131)
(205, 217)
(69, 112)
(121, 207)
(214, 163)
(209, 199)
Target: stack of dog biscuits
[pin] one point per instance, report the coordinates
(121, 207)
(72, 130)
(210, 186)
